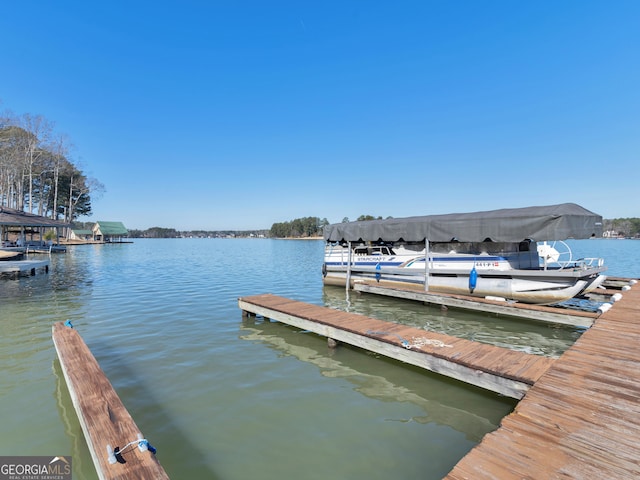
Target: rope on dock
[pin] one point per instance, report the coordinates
(142, 443)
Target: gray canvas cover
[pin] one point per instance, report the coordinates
(553, 222)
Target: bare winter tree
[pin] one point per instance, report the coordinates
(38, 134)
(12, 165)
(36, 172)
(60, 149)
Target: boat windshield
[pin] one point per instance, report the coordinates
(373, 250)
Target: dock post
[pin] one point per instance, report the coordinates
(348, 281)
(426, 264)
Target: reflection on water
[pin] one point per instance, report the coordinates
(442, 400)
(82, 464)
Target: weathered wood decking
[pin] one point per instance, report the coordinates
(103, 417)
(581, 419)
(497, 369)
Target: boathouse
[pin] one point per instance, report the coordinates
(19, 228)
(109, 231)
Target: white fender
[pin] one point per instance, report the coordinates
(604, 307)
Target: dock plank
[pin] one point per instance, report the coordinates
(499, 369)
(581, 419)
(103, 416)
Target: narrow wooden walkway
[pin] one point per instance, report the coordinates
(581, 419)
(541, 313)
(103, 417)
(497, 369)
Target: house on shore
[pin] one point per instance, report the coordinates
(82, 235)
(109, 232)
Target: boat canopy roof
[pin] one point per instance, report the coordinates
(553, 222)
(18, 218)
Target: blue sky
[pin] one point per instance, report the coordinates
(235, 115)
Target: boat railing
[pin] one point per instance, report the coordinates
(558, 255)
(576, 264)
(591, 262)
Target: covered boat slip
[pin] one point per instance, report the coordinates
(483, 254)
(501, 370)
(107, 425)
(19, 225)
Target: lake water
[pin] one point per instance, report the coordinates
(225, 397)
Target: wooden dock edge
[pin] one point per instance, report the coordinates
(17, 267)
(495, 383)
(102, 415)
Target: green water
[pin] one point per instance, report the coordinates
(225, 397)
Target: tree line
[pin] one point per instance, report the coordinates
(307, 226)
(313, 226)
(162, 232)
(624, 227)
(37, 174)
(299, 228)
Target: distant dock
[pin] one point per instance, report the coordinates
(28, 267)
(117, 446)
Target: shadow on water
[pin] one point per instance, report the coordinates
(173, 447)
(467, 409)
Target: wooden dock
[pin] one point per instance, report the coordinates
(16, 267)
(540, 313)
(581, 419)
(105, 421)
(500, 370)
